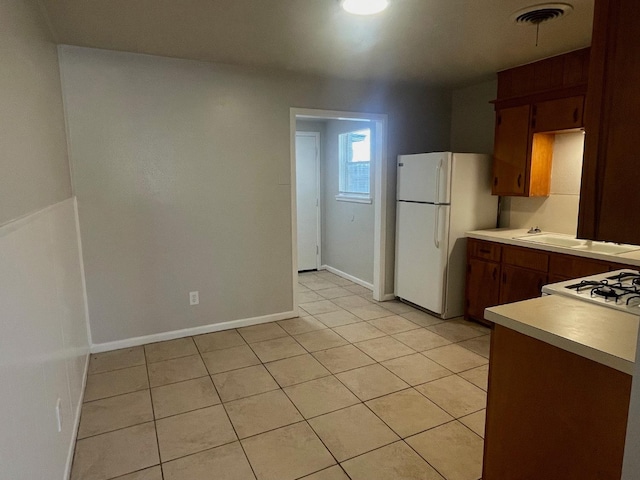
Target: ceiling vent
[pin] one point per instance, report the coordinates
(537, 14)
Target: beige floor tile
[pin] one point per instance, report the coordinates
(455, 358)
(384, 348)
(332, 277)
(296, 326)
(262, 332)
(218, 340)
(352, 431)
(114, 413)
(180, 347)
(276, 349)
(476, 422)
(287, 453)
(320, 396)
(371, 382)
(218, 361)
(478, 376)
(310, 296)
(358, 289)
(116, 360)
(369, 296)
(421, 318)
(331, 473)
(480, 345)
(117, 382)
(296, 370)
(322, 306)
(184, 397)
(454, 450)
(483, 329)
(320, 340)
(398, 307)
(115, 453)
(370, 312)
(454, 395)
(407, 412)
(244, 382)
(454, 331)
(193, 432)
(358, 332)
(225, 463)
(301, 288)
(317, 284)
(352, 301)
(416, 369)
(393, 462)
(153, 473)
(260, 413)
(421, 339)
(343, 358)
(176, 370)
(338, 318)
(343, 282)
(336, 292)
(393, 324)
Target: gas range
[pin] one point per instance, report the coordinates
(619, 289)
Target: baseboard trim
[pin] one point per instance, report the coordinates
(187, 332)
(76, 422)
(388, 296)
(342, 274)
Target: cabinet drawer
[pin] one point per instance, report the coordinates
(572, 267)
(559, 114)
(484, 250)
(526, 258)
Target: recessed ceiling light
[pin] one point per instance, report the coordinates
(364, 7)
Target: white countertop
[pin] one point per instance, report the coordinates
(505, 236)
(601, 334)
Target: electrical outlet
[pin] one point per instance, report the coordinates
(194, 298)
(59, 414)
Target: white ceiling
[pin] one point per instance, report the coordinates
(452, 42)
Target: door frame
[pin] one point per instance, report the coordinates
(379, 122)
(316, 135)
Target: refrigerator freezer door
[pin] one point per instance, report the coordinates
(421, 254)
(424, 177)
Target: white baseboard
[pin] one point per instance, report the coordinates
(76, 422)
(342, 274)
(388, 296)
(187, 332)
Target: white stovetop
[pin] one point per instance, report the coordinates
(601, 334)
(505, 236)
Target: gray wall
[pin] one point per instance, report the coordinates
(347, 227)
(33, 160)
(473, 118)
(182, 172)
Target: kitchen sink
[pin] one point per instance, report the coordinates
(553, 239)
(610, 248)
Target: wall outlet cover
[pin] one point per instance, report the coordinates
(194, 298)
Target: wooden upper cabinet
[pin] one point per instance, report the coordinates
(534, 102)
(610, 193)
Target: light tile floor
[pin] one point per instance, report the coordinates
(353, 389)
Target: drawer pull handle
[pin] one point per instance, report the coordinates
(575, 115)
(485, 250)
(519, 180)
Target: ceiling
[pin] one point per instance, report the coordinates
(445, 42)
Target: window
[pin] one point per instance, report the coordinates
(355, 166)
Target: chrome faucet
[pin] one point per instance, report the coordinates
(534, 230)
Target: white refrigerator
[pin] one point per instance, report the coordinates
(440, 196)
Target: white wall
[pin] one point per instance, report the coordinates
(182, 173)
(559, 211)
(43, 329)
(347, 227)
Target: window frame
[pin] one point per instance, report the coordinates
(343, 146)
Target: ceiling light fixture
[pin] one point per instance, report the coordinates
(364, 7)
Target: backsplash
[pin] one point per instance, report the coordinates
(559, 211)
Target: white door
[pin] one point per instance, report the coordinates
(421, 254)
(424, 177)
(308, 199)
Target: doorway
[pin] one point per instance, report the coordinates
(308, 199)
(306, 217)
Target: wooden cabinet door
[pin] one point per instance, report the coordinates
(559, 114)
(610, 196)
(483, 287)
(510, 151)
(520, 284)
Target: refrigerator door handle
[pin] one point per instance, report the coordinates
(438, 172)
(436, 233)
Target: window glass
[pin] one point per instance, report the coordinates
(355, 163)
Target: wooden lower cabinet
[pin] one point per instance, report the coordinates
(483, 287)
(552, 414)
(520, 284)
